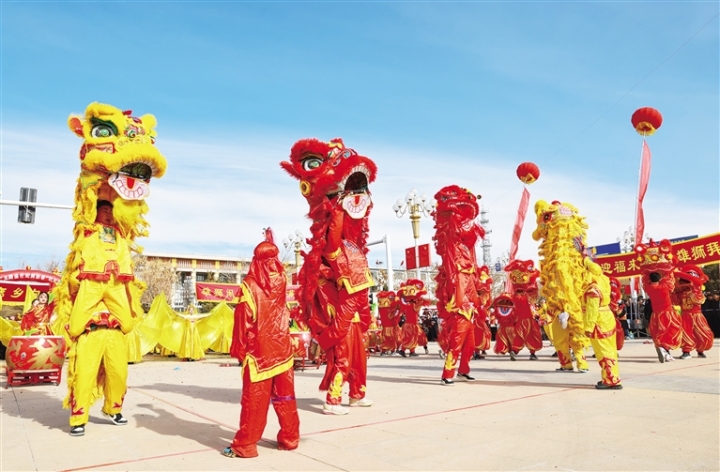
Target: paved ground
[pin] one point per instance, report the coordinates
(517, 416)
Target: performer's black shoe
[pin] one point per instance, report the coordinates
(413, 354)
(512, 355)
(533, 357)
(447, 382)
(465, 377)
(78, 430)
(402, 353)
(116, 418)
(560, 369)
(602, 386)
(685, 355)
(702, 355)
(554, 354)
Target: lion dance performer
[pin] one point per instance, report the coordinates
(411, 293)
(658, 262)
(483, 335)
(601, 325)
(335, 277)
(523, 276)
(562, 232)
(389, 317)
(261, 342)
(456, 234)
(504, 310)
(615, 297)
(688, 294)
(98, 298)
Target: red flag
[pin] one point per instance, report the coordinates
(642, 188)
(519, 221)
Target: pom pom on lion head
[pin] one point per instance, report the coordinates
(118, 158)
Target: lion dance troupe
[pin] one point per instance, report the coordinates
(96, 307)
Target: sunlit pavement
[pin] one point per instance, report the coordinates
(518, 415)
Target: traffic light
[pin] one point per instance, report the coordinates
(26, 214)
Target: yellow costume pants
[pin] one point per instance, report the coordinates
(95, 297)
(607, 357)
(100, 362)
(563, 342)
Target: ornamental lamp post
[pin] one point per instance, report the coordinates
(295, 241)
(416, 206)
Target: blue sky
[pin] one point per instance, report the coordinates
(436, 93)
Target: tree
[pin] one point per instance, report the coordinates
(159, 275)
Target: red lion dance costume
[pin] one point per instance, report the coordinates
(261, 342)
(615, 297)
(689, 280)
(523, 276)
(411, 295)
(483, 336)
(389, 317)
(456, 234)
(658, 265)
(335, 278)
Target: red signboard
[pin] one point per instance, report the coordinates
(424, 250)
(13, 293)
(211, 292)
(410, 260)
(699, 251)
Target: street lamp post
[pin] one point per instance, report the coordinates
(297, 242)
(416, 206)
(627, 241)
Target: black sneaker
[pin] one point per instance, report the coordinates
(78, 430)
(685, 355)
(402, 353)
(702, 355)
(447, 382)
(412, 354)
(602, 386)
(465, 377)
(116, 418)
(533, 357)
(554, 354)
(512, 355)
(561, 369)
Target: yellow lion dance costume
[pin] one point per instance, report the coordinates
(98, 298)
(562, 232)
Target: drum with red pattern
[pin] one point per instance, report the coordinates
(35, 359)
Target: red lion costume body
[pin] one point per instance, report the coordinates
(456, 234)
(483, 335)
(523, 276)
(335, 278)
(411, 295)
(697, 335)
(389, 317)
(658, 264)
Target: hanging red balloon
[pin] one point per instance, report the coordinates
(528, 172)
(646, 121)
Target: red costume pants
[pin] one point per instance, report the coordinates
(461, 344)
(666, 329)
(504, 338)
(527, 334)
(483, 336)
(256, 399)
(696, 332)
(346, 362)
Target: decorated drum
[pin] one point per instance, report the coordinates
(28, 353)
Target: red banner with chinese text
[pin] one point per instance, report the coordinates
(212, 292)
(424, 250)
(410, 260)
(13, 293)
(699, 251)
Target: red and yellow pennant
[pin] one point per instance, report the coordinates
(699, 251)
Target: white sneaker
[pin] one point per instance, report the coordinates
(361, 402)
(334, 410)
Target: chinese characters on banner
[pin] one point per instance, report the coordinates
(14, 294)
(211, 292)
(699, 251)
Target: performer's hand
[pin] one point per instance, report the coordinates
(564, 317)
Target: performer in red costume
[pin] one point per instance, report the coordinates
(689, 280)
(261, 342)
(657, 261)
(455, 236)
(483, 335)
(37, 320)
(389, 317)
(523, 277)
(335, 277)
(504, 311)
(615, 297)
(411, 295)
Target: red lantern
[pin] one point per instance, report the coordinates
(646, 120)
(528, 172)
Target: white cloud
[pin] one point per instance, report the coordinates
(216, 198)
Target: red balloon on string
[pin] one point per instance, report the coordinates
(646, 121)
(528, 172)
